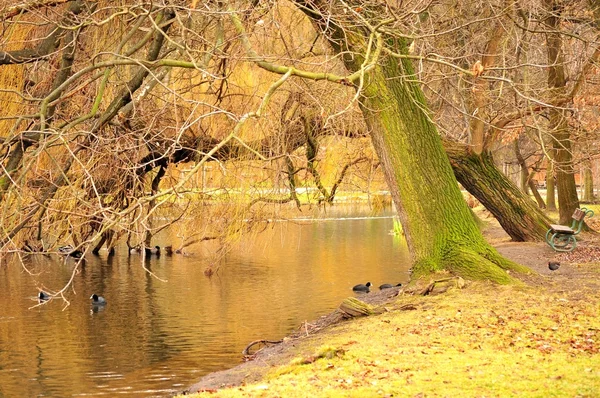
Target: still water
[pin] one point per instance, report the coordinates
(158, 336)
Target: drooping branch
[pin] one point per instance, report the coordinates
(345, 169)
(34, 135)
(45, 49)
(49, 45)
(123, 98)
(280, 69)
(22, 8)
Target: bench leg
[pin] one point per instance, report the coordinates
(562, 242)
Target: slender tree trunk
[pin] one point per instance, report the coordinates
(559, 127)
(440, 231)
(536, 193)
(527, 183)
(480, 92)
(588, 181)
(550, 185)
(524, 173)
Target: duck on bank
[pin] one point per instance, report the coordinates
(362, 288)
(388, 286)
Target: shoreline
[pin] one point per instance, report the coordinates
(533, 255)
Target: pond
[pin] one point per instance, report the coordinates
(158, 335)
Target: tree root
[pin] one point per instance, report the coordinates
(442, 285)
(246, 351)
(353, 307)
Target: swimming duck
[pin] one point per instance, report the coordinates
(388, 286)
(43, 296)
(152, 250)
(362, 288)
(97, 300)
(68, 250)
(65, 249)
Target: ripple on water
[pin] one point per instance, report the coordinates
(154, 337)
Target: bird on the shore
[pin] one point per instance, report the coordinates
(97, 300)
(553, 265)
(152, 250)
(43, 296)
(362, 288)
(388, 286)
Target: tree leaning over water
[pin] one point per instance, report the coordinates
(440, 229)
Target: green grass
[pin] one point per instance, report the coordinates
(492, 341)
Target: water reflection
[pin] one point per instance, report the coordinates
(156, 337)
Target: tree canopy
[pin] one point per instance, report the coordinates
(116, 117)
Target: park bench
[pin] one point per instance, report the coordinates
(562, 238)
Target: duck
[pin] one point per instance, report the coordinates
(388, 286)
(70, 251)
(43, 296)
(76, 254)
(66, 249)
(97, 300)
(362, 288)
(134, 250)
(152, 250)
(553, 265)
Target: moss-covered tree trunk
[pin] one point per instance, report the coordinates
(440, 230)
(559, 126)
(516, 212)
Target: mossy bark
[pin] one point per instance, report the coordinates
(439, 228)
(517, 213)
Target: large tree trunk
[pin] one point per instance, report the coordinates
(559, 127)
(516, 212)
(440, 231)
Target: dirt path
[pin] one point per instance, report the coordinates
(571, 279)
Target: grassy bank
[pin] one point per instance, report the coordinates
(483, 340)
